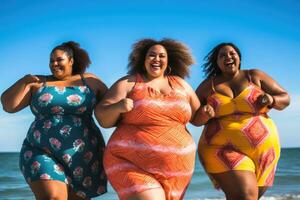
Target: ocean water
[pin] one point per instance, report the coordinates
(286, 186)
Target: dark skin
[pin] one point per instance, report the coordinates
(19, 96)
(231, 83)
(116, 102)
(51, 188)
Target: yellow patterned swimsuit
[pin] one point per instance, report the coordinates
(240, 137)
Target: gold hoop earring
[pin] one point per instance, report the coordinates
(169, 70)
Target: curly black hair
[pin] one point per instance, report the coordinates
(210, 67)
(80, 56)
(179, 56)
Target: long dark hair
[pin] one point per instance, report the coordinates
(210, 67)
(179, 56)
(80, 56)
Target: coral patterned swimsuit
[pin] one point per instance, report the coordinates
(151, 147)
(240, 137)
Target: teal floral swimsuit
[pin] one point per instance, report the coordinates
(64, 143)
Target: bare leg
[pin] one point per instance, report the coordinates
(49, 189)
(261, 191)
(153, 194)
(54, 190)
(238, 185)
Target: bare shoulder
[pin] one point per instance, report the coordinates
(127, 79)
(96, 84)
(43, 78)
(121, 88)
(125, 83)
(256, 73)
(92, 78)
(205, 85)
(182, 82)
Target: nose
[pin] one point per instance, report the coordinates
(157, 58)
(227, 56)
(54, 62)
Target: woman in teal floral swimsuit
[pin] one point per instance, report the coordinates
(61, 157)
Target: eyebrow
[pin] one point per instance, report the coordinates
(156, 53)
(223, 52)
(58, 57)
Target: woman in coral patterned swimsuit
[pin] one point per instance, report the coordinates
(61, 157)
(239, 147)
(151, 154)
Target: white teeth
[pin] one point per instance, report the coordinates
(229, 63)
(57, 69)
(155, 65)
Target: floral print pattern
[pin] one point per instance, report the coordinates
(63, 142)
(60, 90)
(45, 99)
(65, 130)
(74, 100)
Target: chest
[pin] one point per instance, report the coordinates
(63, 100)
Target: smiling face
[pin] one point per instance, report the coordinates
(60, 64)
(228, 60)
(156, 61)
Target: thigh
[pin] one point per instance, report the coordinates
(262, 190)
(49, 189)
(238, 184)
(126, 178)
(36, 165)
(152, 194)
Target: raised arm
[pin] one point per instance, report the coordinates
(275, 96)
(193, 100)
(115, 102)
(96, 85)
(18, 96)
(206, 111)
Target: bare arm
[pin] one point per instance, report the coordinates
(193, 100)
(205, 112)
(114, 103)
(275, 96)
(96, 85)
(18, 96)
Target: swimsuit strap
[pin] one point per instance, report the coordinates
(248, 76)
(174, 82)
(44, 80)
(212, 84)
(83, 80)
(139, 78)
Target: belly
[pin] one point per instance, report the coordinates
(58, 134)
(153, 147)
(245, 132)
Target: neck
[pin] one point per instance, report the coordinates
(231, 76)
(65, 78)
(151, 78)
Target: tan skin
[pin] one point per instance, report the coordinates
(19, 95)
(115, 102)
(239, 184)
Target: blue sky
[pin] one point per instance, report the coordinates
(267, 33)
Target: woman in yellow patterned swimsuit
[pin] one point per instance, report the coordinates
(239, 147)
